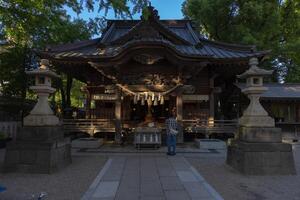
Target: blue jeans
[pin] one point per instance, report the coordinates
(171, 142)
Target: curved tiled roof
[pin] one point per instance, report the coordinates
(119, 36)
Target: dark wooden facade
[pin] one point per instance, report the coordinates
(165, 61)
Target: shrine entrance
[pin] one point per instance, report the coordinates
(159, 112)
(141, 69)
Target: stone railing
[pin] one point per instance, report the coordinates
(10, 128)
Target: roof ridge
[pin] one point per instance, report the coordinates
(160, 25)
(229, 46)
(72, 46)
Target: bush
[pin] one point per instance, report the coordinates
(3, 136)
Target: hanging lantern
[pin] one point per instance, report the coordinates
(143, 101)
(146, 95)
(138, 97)
(152, 97)
(155, 101)
(135, 99)
(162, 100)
(159, 96)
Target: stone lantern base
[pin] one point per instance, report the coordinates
(38, 149)
(260, 153)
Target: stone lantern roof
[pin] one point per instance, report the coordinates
(254, 70)
(43, 70)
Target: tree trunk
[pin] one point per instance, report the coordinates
(68, 90)
(23, 69)
(63, 98)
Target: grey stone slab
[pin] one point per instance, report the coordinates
(153, 198)
(196, 190)
(149, 175)
(131, 167)
(180, 166)
(150, 178)
(186, 176)
(151, 188)
(97, 180)
(177, 195)
(126, 193)
(112, 175)
(203, 198)
(130, 183)
(93, 198)
(179, 163)
(162, 161)
(212, 191)
(131, 171)
(106, 189)
(128, 174)
(171, 183)
(127, 198)
(166, 172)
(148, 167)
(115, 170)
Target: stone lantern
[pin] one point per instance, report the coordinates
(42, 114)
(258, 148)
(40, 145)
(255, 115)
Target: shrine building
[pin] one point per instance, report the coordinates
(140, 70)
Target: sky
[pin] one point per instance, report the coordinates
(167, 9)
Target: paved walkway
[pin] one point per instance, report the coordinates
(149, 177)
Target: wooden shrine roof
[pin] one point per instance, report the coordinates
(277, 91)
(177, 36)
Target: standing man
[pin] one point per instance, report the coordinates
(172, 130)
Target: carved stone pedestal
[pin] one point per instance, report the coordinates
(258, 147)
(40, 146)
(261, 158)
(38, 150)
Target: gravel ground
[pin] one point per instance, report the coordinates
(71, 182)
(232, 185)
(67, 184)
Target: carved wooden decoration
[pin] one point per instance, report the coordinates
(147, 59)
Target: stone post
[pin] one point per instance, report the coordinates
(258, 147)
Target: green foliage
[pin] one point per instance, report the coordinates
(121, 8)
(12, 74)
(77, 96)
(268, 24)
(3, 136)
(33, 24)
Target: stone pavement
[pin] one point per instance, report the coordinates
(141, 177)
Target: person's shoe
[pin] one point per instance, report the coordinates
(169, 154)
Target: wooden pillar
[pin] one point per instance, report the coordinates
(179, 116)
(118, 114)
(88, 105)
(211, 117)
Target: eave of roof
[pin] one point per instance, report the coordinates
(181, 38)
(208, 52)
(277, 91)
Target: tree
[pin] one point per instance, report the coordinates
(271, 24)
(32, 24)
